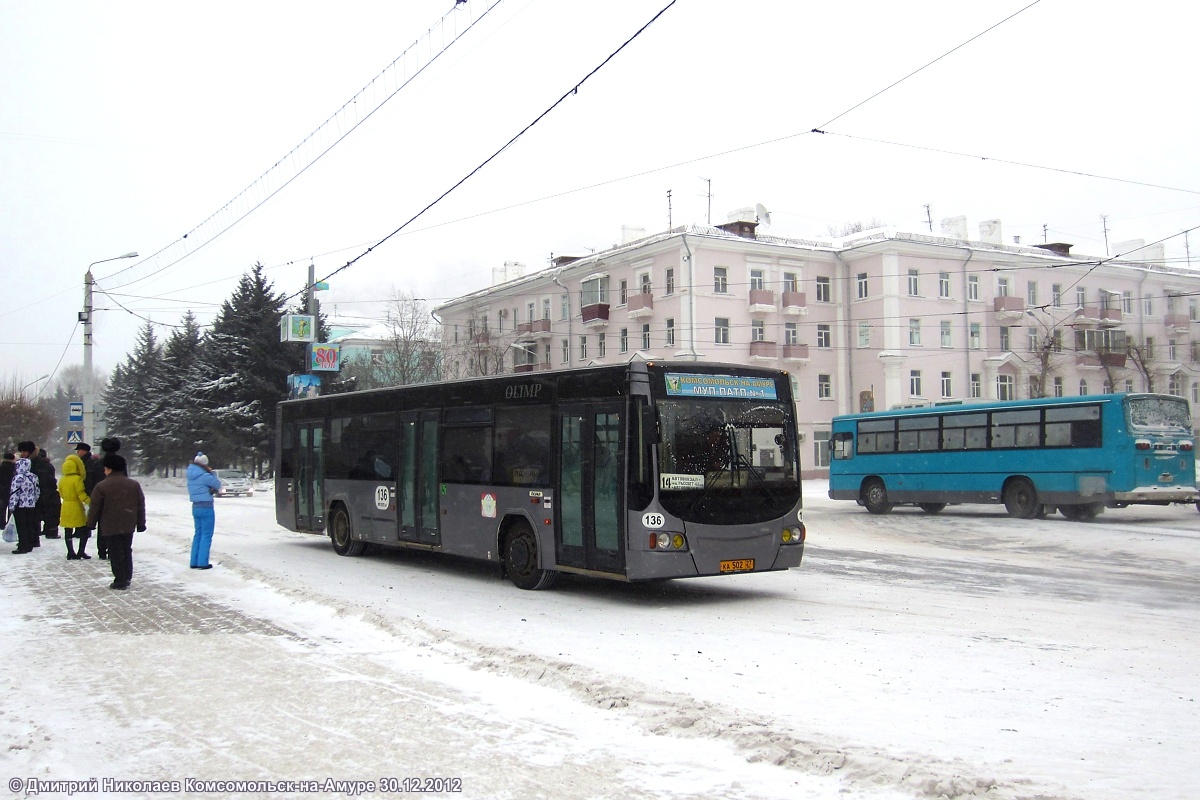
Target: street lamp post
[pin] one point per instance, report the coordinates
(86, 318)
(31, 383)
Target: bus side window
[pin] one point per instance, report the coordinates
(843, 445)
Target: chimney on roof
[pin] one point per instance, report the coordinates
(1058, 248)
(989, 232)
(562, 261)
(955, 228)
(631, 233)
(742, 222)
(510, 271)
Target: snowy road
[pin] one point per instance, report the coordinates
(957, 655)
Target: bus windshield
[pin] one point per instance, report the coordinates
(1159, 413)
(721, 460)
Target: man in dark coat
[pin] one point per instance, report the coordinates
(93, 474)
(49, 503)
(8, 468)
(118, 508)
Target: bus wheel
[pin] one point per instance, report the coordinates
(1082, 512)
(1020, 499)
(342, 535)
(521, 560)
(874, 497)
(932, 508)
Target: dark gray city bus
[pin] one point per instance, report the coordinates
(633, 472)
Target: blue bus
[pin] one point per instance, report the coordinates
(1077, 454)
(630, 472)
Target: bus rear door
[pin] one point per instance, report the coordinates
(310, 476)
(590, 533)
(416, 483)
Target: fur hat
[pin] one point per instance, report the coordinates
(27, 447)
(110, 445)
(114, 462)
(201, 459)
(84, 446)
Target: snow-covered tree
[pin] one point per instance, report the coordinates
(132, 401)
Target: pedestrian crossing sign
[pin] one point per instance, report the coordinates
(74, 437)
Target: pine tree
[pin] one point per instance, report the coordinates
(131, 402)
(178, 422)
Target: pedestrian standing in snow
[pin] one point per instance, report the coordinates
(202, 484)
(22, 506)
(28, 451)
(8, 468)
(118, 508)
(95, 474)
(49, 506)
(74, 516)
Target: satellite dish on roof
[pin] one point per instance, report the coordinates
(764, 216)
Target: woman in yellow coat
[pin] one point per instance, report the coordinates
(74, 497)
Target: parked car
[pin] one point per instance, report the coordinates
(234, 482)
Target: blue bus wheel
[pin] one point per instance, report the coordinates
(874, 497)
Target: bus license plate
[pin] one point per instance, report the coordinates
(738, 565)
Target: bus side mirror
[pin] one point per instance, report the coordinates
(650, 424)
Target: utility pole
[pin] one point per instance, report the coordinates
(709, 195)
(1045, 233)
(670, 222)
(1104, 222)
(929, 217)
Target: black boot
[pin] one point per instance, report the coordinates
(83, 540)
(70, 547)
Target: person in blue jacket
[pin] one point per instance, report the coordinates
(202, 484)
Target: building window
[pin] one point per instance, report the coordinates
(947, 385)
(1080, 296)
(529, 312)
(594, 292)
(582, 348)
(1172, 303)
(600, 345)
(1059, 389)
(821, 449)
(975, 336)
(758, 280)
(566, 351)
(1173, 386)
(644, 282)
(1171, 351)
(1031, 293)
(546, 353)
(545, 308)
(623, 292)
(721, 330)
(1001, 287)
(914, 383)
(791, 334)
(624, 340)
(1106, 388)
(824, 387)
(791, 283)
(976, 385)
(945, 333)
(1195, 391)
(1056, 295)
(972, 287)
(1005, 389)
(1004, 338)
(758, 331)
(1056, 341)
(565, 310)
(1033, 386)
(914, 283)
(670, 330)
(862, 286)
(720, 280)
(824, 336)
(914, 332)
(670, 280)
(864, 334)
(1148, 348)
(646, 336)
(824, 290)
(1033, 339)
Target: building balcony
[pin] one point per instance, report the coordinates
(1086, 360)
(1088, 315)
(480, 339)
(1180, 323)
(537, 366)
(764, 351)
(795, 352)
(595, 315)
(538, 329)
(1009, 307)
(640, 305)
(795, 303)
(1111, 317)
(761, 301)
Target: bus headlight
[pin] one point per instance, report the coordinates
(794, 535)
(667, 541)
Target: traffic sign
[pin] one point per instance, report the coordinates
(74, 437)
(75, 412)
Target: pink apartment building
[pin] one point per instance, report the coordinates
(876, 320)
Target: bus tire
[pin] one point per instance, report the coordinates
(1020, 499)
(932, 508)
(341, 534)
(521, 561)
(874, 497)
(1081, 512)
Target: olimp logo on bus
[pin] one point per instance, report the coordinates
(529, 391)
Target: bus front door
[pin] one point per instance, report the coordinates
(590, 531)
(417, 485)
(310, 477)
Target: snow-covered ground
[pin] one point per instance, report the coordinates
(911, 656)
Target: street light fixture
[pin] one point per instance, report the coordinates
(31, 383)
(86, 318)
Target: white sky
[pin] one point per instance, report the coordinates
(125, 125)
(910, 656)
